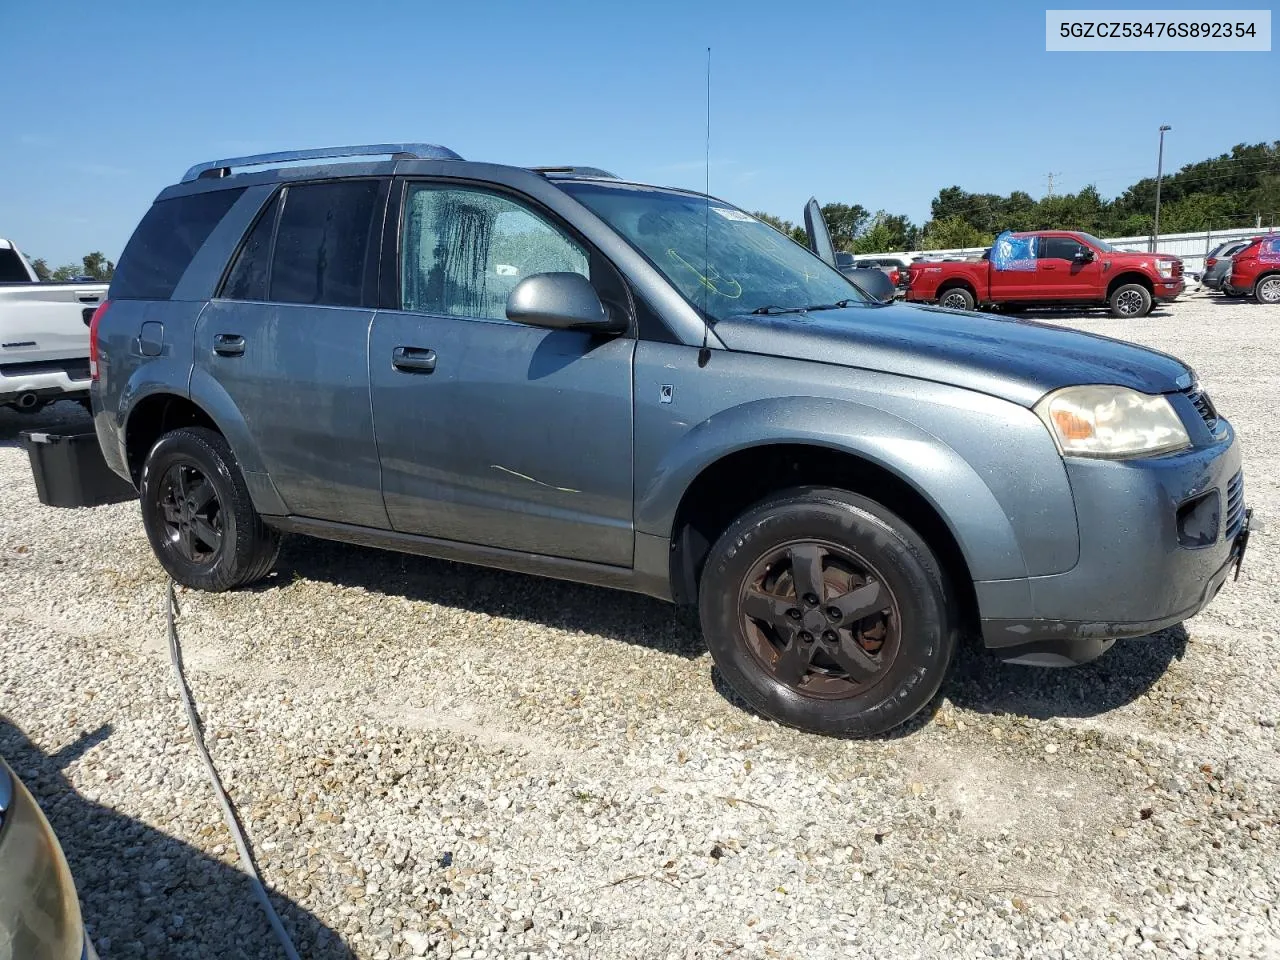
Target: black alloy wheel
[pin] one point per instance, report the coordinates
(192, 512)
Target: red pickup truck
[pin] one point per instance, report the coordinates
(1256, 268)
(1059, 267)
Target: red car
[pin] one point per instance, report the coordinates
(1256, 268)
(1060, 267)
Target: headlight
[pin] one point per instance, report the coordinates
(1165, 267)
(1101, 421)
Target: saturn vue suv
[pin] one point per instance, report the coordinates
(556, 371)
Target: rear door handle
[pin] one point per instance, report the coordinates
(228, 345)
(414, 359)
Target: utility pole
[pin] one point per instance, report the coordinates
(1155, 232)
(1050, 177)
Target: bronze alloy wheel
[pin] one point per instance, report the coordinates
(820, 619)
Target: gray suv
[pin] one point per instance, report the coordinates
(559, 372)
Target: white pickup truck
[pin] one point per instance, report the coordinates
(44, 335)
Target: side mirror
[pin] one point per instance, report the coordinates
(1083, 256)
(560, 301)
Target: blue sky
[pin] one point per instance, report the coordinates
(875, 103)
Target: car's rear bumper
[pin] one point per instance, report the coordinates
(1158, 537)
(1212, 280)
(46, 385)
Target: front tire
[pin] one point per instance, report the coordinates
(1267, 289)
(957, 298)
(827, 612)
(1130, 301)
(198, 515)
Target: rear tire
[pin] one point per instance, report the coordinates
(957, 298)
(198, 515)
(1267, 289)
(827, 612)
(1130, 301)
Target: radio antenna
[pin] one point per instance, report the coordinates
(704, 355)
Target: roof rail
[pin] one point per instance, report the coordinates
(592, 172)
(397, 151)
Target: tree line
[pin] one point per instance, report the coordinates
(94, 265)
(1232, 189)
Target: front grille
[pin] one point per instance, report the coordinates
(76, 368)
(1204, 406)
(1235, 504)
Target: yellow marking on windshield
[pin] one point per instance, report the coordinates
(711, 278)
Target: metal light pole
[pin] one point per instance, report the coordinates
(1155, 232)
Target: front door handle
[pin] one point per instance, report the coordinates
(228, 345)
(413, 359)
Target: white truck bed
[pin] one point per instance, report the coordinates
(44, 340)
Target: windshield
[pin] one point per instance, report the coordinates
(1100, 244)
(724, 259)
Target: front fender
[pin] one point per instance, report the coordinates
(923, 461)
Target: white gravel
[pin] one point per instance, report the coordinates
(437, 760)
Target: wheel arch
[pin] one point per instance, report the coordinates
(951, 283)
(1130, 276)
(731, 461)
(160, 408)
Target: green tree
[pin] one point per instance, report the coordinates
(94, 265)
(951, 232)
(844, 223)
(41, 268)
(887, 233)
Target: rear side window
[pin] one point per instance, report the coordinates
(251, 273)
(326, 232)
(162, 247)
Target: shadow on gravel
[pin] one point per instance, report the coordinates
(980, 682)
(64, 413)
(627, 617)
(145, 894)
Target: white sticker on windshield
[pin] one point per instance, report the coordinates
(730, 214)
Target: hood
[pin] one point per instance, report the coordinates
(1018, 360)
(1136, 258)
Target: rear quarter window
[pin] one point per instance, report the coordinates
(165, 242)
(12, 269)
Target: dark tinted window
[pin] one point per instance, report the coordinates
(1060, 248)
(11, 268)
(249, 274)
(324, 237)
(161, 249)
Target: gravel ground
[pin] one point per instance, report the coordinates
(437, 760)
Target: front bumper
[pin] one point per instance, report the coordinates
(1166, 290)
(1136, 574)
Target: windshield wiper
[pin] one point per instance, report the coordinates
(771, 309)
